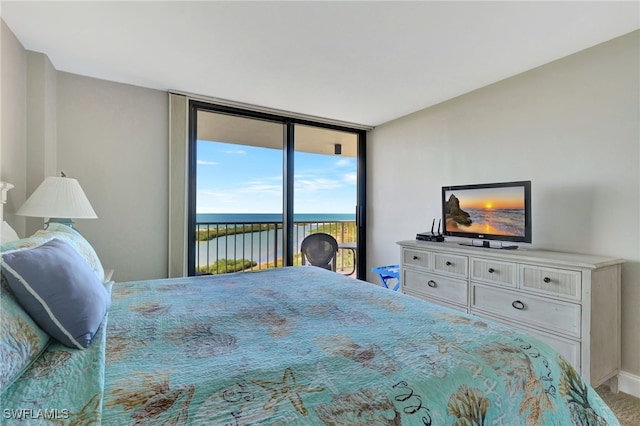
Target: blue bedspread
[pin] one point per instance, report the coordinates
(63, 386)
(305, 346)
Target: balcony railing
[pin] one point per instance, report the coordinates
(223, 247)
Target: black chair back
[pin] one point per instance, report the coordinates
(320, 250)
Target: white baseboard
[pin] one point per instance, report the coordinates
(629, 383)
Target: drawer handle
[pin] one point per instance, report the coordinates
(491, 270)
(547, 280)
(518, 305)
(432, 284)
(448, 263)
(415, 257)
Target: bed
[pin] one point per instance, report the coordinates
(294, 346)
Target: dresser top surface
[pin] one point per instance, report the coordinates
(518, 255)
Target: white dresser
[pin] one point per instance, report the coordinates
(570, 301)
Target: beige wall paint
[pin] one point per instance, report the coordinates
(28, 125)
(13, 149)
(571, 127)
(41, 127)
(114, 138)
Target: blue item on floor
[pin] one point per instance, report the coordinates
(387, 273)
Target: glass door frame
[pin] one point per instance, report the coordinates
(288, 178)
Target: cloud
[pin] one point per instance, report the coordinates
(350, 178)
(243, 199)
(313, 184)
(207, 163)
(261, 188)
(235, 151)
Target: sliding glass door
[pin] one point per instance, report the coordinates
(259, 183)
(239, 187)
(325, 189)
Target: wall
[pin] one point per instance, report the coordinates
(114, 139)
(13, 147)
(571, 127)
(41, 127)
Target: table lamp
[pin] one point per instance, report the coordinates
(60, 199)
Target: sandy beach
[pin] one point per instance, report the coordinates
(478, 228)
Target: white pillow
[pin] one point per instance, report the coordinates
(7, 233)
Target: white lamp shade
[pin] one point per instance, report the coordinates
(58, 197)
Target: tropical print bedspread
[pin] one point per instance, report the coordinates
(306, 346)
(62, 387)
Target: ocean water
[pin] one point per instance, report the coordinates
(502, 221)
(263, 246)
(271, 217)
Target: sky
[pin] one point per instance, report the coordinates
(235, 178)
(491, 198)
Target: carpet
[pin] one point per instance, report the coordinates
(626, 407)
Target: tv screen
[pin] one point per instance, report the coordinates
(491, 211)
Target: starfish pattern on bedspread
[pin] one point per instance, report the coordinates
(289, 389)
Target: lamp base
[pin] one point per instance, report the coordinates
(62, 221)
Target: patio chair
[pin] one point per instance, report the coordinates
(319, 250)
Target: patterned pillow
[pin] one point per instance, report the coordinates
(73, 237)
(21, 340)
(59, 290)
(23, 243)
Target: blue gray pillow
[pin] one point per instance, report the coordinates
(59, 290)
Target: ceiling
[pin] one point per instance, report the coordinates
(359, 62)
(267, 134)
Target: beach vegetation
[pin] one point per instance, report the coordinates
(225, 266)
(342, 231)
(206, 233)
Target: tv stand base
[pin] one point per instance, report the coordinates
(486, 244)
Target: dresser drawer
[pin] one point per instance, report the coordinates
(450, 264)
(495, 272)
(430, 285)
(557, 282)
(557, 316)
(416, 258)
(568, 348)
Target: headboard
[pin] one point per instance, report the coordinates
(4, 187)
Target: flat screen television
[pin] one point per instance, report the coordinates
(491, 211)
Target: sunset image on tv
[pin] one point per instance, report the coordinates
(497, 211)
